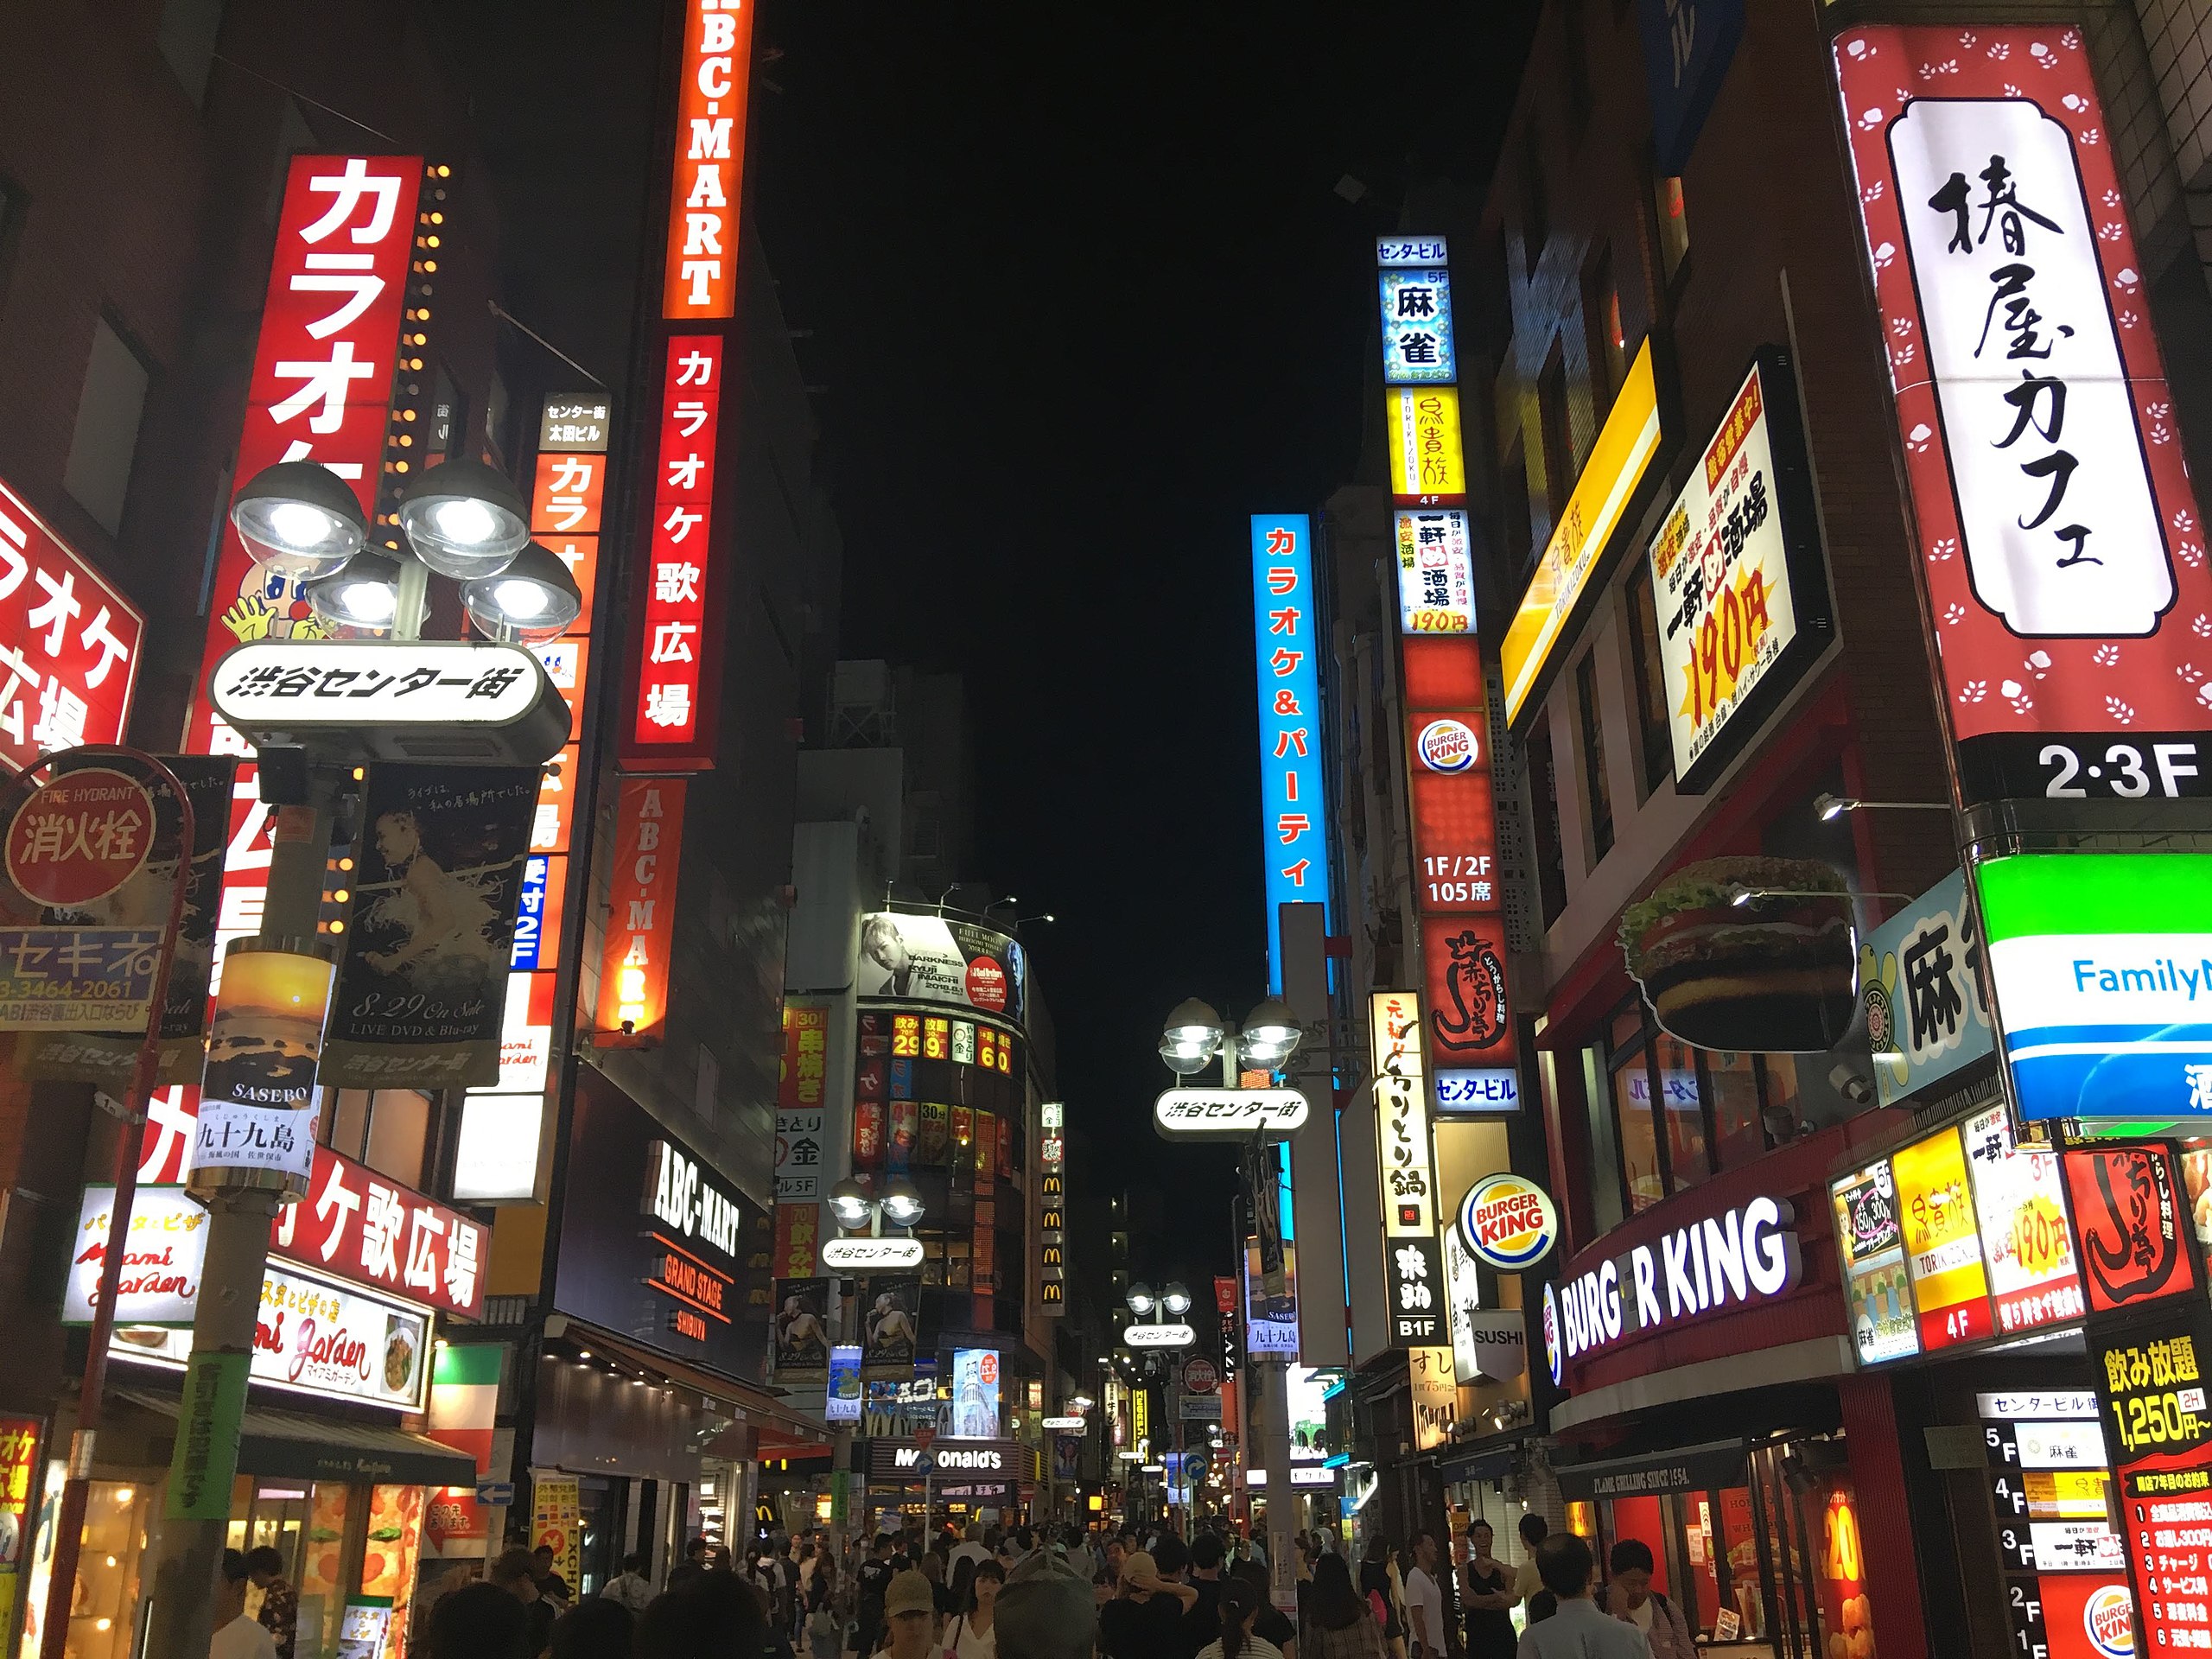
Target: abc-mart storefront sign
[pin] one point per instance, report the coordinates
(1713, 1265)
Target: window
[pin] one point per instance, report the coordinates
(1643, 1177)
(1599, 793)
(1601, 317)
(1674, 227)
(1536, 207)
(1682, 1113)
(106, 443)
(1516, 536)
(1655, 733)
(1559, 451)
(1605, 1209)
(1715, 1110)
(1543, 806)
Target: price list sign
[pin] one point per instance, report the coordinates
(2065, 1570)
(2151, 1384)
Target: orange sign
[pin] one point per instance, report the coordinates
(713, 80)
(641, 913)
(566, 497)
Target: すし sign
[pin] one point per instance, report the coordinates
(1508, 1221)
(2060, 539)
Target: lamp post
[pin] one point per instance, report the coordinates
(860, 1212)
(463, 520)
(1193, 1037)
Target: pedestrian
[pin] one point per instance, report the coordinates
(1580, 1630)
(630, 1588)
(973, 1633)
(1527, 1581)
(972, 1547)
(1486, 1591)
(477, 1621)
(1201, 1623)
(236, 1635)
(873, 1585)
(1270, 1624)
(932, 1568)
(1236, 1608)
(1375, 1585)
(1044, 1612)
(910, 1609)
(716, 1616)
(825, 1628)
(516, 1573)
(1339, 1623)
(551, 1584)
(693, 1566)
(280, 1603)
(1424, 1600)
(594, 1629)
(1144, 1620)
(1632, 1599)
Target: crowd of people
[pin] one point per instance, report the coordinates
(1015, 1593)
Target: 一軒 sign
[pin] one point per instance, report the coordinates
(1736, 578)
(1436, 570)
(2101, 967)
(2061, 541)
(1427, 461)
(1417, 343)
(1413, 1262)
(1293, 799)
(69, 643)
(1602, 496)
(2033, 1281)
(1926, 1017)
(1188, 1114)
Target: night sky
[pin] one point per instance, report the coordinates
(1084, 297)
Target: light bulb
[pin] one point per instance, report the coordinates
(298, 523)
(371, 602)
(464, 522)
(518, 598)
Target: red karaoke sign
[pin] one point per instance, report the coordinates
(68, 643)
(671, 723)
(368, 1229)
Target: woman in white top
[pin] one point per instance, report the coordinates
(1239, 1604)
(973, 1635)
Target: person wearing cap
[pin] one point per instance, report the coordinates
(1045, 1611)
(910, 1608)
(1146, 1620)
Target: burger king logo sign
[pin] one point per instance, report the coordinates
(1447, 746)
(2108, 1620)
(1508, 1223)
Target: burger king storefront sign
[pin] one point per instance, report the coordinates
(1507, 1223)
(1713, 1265)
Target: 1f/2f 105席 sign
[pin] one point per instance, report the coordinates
(2063, 546)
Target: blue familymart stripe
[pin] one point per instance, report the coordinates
(2102, 967)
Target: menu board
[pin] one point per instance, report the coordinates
(1943, 1242)
(1875, 1282)
(2033, 1281)
(2150, 1383)
(2065, 1567)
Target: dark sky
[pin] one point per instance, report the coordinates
(1082, 298)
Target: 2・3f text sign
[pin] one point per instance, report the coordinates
(2061, 541)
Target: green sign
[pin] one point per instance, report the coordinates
(840, 1488)
(207, 1454)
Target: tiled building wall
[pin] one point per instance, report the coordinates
(2177, 34)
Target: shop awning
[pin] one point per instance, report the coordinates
(1683, 1469)
(274, 1442)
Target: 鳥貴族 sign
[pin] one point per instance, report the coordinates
(2061, 541)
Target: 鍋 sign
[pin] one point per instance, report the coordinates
(2061, 543)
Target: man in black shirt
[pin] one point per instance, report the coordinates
(874, 1576)
(1203, 1623)
(1145, 1621)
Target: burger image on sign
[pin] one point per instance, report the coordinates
(1508, 1223)
(1447, 746)
(1747, 954)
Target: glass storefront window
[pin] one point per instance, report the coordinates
(1638, 1133)
(1732, 1081)
(106, 1599)
(1679, 1114)
(1684, 1115)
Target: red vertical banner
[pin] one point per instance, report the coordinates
(670, 723)
(714, 80)
(641, 913)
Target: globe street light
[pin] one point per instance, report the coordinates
(1191, 1039)
(464, 519)
(851, 1204)
(1270, 1035)
(1141, 1299)
(530, 601)
(1175, 1300)
(299, 517)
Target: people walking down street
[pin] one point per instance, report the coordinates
(516, 1573)
(910, 1614)
(1236, 1608)
(1379, 1587)
(1631, 1599)
(595, 1628)
(972, 1633)
(477, 1621)
(824, 1626)
(1046, 1610)
(1580, 1630)
(1486, 1592)
(236, 1635)
(1426, 1629)
(280, 1603)
(630, 1587)
(1145, 1621)
(873, 1585)
(715, 1615)
(696, 1556)
(1338, 1623)
(1271, 1624)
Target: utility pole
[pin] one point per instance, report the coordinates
(188, 1551)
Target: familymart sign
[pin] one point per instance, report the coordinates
(2100, 964)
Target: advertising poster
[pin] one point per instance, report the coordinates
(799, 1351)
(890, 1311)
(933, 959)
(256, 1103)
(162, 1260)
(556, 1521)
(2024, 1241)
(422, 988)
(842, 1404)
(2126, 1210)
(2151, 1383)
(77, 978)
(19, 1438)
(975, 1394)
(1879, 1291)
(1943, 1244)
(801, 1119)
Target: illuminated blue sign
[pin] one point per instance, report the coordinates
(1417, 327)
(529, 953)
(1293, 810)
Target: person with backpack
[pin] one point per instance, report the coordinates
(1633, 1601)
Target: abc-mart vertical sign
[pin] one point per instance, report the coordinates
(2061, 541)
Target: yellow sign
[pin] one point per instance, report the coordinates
(1608, 481)
(1942, 1242)
(1426, 459)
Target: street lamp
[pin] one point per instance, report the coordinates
(1175, 1300)
(300, 518)
(1141, 1299)
(530, 601)
(1191, 1039)
(1270, 1034)
(464, 519)
(863, 1243)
